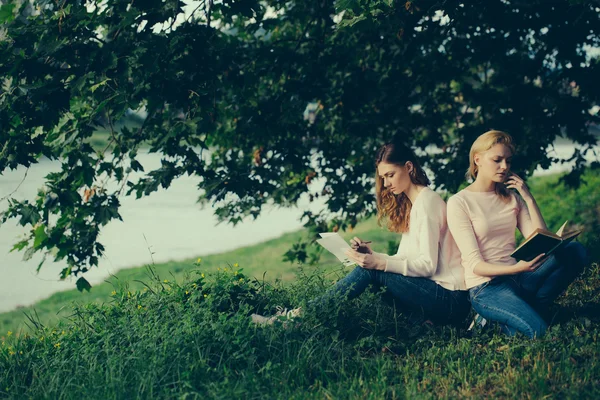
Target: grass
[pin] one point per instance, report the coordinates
(193, 339)
(185, 333)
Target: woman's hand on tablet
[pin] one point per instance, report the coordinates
(367, 261)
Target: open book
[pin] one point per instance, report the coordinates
(543, 241)
(337, 246)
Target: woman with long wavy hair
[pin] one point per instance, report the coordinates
(483, 218)
(425, 276)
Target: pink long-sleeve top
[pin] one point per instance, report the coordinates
(428, 249)
(483, 225)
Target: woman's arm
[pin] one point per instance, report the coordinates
(426, 227)
(486, 269)
(425, 230)
(532, 212)
(461, 228)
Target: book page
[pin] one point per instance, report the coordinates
(567, 238)
(539, 231)
(571, 235)
(560, 230)
(337, 246)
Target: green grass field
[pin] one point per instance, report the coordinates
(181, 330)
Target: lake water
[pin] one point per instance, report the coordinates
(168, 223)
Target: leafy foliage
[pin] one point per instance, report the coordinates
(225, 90)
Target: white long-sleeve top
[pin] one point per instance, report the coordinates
(428, 249)
(484, 225)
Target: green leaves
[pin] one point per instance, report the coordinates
(223, 94)
(29, 214)
(7, 13)
(83, 284)
(40, 236)
(20, 245)
(349, 22)
(342, 5)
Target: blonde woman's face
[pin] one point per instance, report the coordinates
(396, 178)
(494, 164)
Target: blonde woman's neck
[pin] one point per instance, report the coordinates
(482, 185)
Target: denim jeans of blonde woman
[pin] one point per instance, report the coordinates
(518, 302)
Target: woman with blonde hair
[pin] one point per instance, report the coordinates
(483, 218)
(425, 276)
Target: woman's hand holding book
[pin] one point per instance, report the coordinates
(528, 266)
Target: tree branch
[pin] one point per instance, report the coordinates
(18, 186)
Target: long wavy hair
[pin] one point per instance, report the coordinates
(482, 144)
(395, 208)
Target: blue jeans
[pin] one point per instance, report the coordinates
(516, 301)
(408, 293)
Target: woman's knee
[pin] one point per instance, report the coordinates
(576, 253)
(361, 272)
(531, 326)
(532, 330)
(536, 328)
(527, 322)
